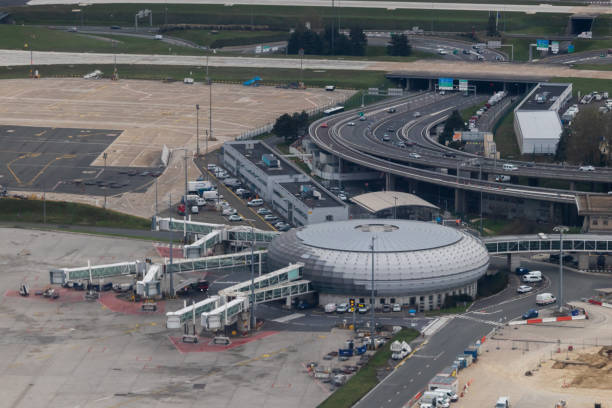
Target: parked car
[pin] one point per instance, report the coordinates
(270, 217)
(342, 197)
(386, 308)
(363, 309)
(263, 211)
(283, 228)
(256, 202)
(229, 211)
(342, 308)
(521, 271)
(397, 307)
(235, 218)
(195, 209)
(524, 289)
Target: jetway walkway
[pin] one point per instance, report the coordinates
(174, 320)
(150, 284)
(201, 246)
(216, 262)
(239, 235)
(60, 276)
(287, 274)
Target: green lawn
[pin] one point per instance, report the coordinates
(284, 18)
(467, 113)
(65, 213)
(44, 39)
(270, 76)
(588, 45)
(218, 39)
(449, 310)
(365, 379)
(505, 139)
(594, 67)
(585, 85)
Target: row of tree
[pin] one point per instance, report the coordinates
(588, 141)
(290, 126)
(332, 42)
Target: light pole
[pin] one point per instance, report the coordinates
(197, 130)
(253, 319)
(185, 196)
(480, 179)
(395, 208)
(372, 300)
(170, 233)
(560, 229)
(210, 132)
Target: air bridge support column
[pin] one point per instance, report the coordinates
(512, 262)
(583, 261)
(389, 182)
(459, 201)
(572, 185)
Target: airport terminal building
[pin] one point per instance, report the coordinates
(413, 263)
(286, 189)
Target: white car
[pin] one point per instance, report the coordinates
(229, 211)
(397, 307)
(342, 308)
(524, 289)
(211, 166)
(442, 51)
(342, 197)
(264, 211)
(414, 155)
(417, 114)
(351, 124)
(586, 168)
(235, 217)
(270, 217)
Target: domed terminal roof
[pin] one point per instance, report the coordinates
(390, 235)
(410, 257)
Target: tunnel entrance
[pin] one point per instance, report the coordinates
(581, 23)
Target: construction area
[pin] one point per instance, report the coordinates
(542, 364)
(153, 126)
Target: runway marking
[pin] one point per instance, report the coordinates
(288, 318)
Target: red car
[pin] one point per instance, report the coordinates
(324, 125)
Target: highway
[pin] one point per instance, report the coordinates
(463, 330)
(357, 146)
(390, 5)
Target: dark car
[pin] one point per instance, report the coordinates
(391, 110)
(386, 308)
(530, 314)
(115, 27)
(449, 154)
(521, 271)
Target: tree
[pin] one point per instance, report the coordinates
(561, 152)
(359, 41)
(308, 40)
(285, 127)
(590, 132)
(399, 46)
(492, 26)
(453, 123)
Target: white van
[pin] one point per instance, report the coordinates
(545, 299)
(510, 167)
(448, 394)
(256, 202)
(535, 273)
(531, 278)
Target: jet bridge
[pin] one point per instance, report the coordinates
(280, 276)
(150, 285)
(201, 246)
(216, 262)
(60, 276)
(174, 320)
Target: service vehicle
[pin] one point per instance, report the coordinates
(531, 278)
(543, 299)
(510, 167)
(502, 178)
(502, 402)
(256, 202)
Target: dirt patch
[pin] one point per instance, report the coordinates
(588, 369)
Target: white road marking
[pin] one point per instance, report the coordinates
(288, 318)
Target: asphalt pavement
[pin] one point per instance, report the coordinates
(459, 333)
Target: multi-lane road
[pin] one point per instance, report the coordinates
(361, 143)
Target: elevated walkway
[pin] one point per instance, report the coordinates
(201, 246)
(174, 320)
(225, 315)
(60, 276)
(150, 285)
(216, 262)
(287, 274)
(514, 244)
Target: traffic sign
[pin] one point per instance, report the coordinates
(360, 113)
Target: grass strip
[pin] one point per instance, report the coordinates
(66, 213)
(449, 310)
(270, 76)
(366, 378)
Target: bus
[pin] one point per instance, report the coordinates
(334, 110)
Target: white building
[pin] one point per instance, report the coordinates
(537, 125)
(286, 189)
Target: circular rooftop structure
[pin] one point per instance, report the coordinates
(389, 236)
(411, 258)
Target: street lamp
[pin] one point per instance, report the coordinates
(186, 192)
(198, 130)
(372, 301)
(395, 208)
(560, 229)
(480, 179)
(253, 319)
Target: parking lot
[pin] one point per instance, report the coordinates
(145, 116)
(59, 160)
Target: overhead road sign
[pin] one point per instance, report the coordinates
(445, 84)
(494, 44)
(463, 84)
(542, 45)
